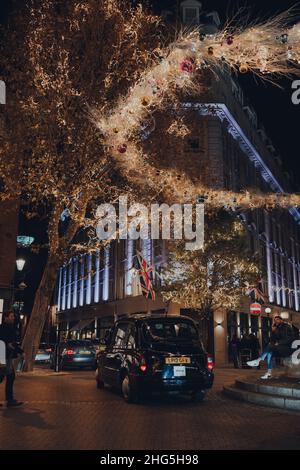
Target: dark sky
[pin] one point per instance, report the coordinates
(273, 105)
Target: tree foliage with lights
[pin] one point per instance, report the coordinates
(67, 56)
(217, 276)
(267, 49)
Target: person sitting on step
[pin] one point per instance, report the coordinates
(280, 345)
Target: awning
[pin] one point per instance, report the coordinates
(81, 325)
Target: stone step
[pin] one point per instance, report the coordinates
(264, 399)
(268, 388)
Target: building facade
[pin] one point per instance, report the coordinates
(226, 149)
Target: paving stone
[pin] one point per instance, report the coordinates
(251, 387)
(68, 412)
(266, 400)
(296, 393)
(272, 390)
(291, 404)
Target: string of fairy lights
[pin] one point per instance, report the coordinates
(268, 50)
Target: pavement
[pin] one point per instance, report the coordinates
(66, 411)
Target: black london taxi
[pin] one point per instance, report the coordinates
(146, 354)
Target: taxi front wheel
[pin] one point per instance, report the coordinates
(99, 381)
(100, 384)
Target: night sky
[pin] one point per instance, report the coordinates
(273, 105)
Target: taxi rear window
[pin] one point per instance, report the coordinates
(162, 330)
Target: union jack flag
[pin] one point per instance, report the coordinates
(145, 273)
(256, 292)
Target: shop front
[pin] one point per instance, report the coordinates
(242, 325)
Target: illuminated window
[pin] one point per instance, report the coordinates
(96, 278)
(105, 294)
(75, 283)
(129, 266)
(191, 12)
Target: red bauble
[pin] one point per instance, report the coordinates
(229, 40)
(122, 148)
(187, 65)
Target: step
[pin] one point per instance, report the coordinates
(268, 388)
(263, 399)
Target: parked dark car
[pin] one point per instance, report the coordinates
(155, 354)
(75, 354)
(44, 353)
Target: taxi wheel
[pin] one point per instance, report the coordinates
(99, 381)
(198, 396)
(100, 384)
(130, 394)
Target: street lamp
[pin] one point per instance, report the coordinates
(22, 286)
(24, 241)
(20, 264)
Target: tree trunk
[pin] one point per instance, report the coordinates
(43, 295)
(39, 312)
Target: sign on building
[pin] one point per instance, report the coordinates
(255, 309)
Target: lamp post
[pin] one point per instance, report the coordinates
(23, 243)
(19, 287)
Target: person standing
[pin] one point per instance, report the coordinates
(235, 350)
(8, 335)
(254, 346)
(280, 345)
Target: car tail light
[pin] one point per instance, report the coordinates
(49, 350)
(142, 365)
(68, 352)
(210, 362)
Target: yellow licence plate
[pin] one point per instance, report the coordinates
(178, 360)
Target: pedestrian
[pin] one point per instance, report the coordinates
(8, 335)
(280, 345)
(246, 341)
(254, 346)
(235, 350)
